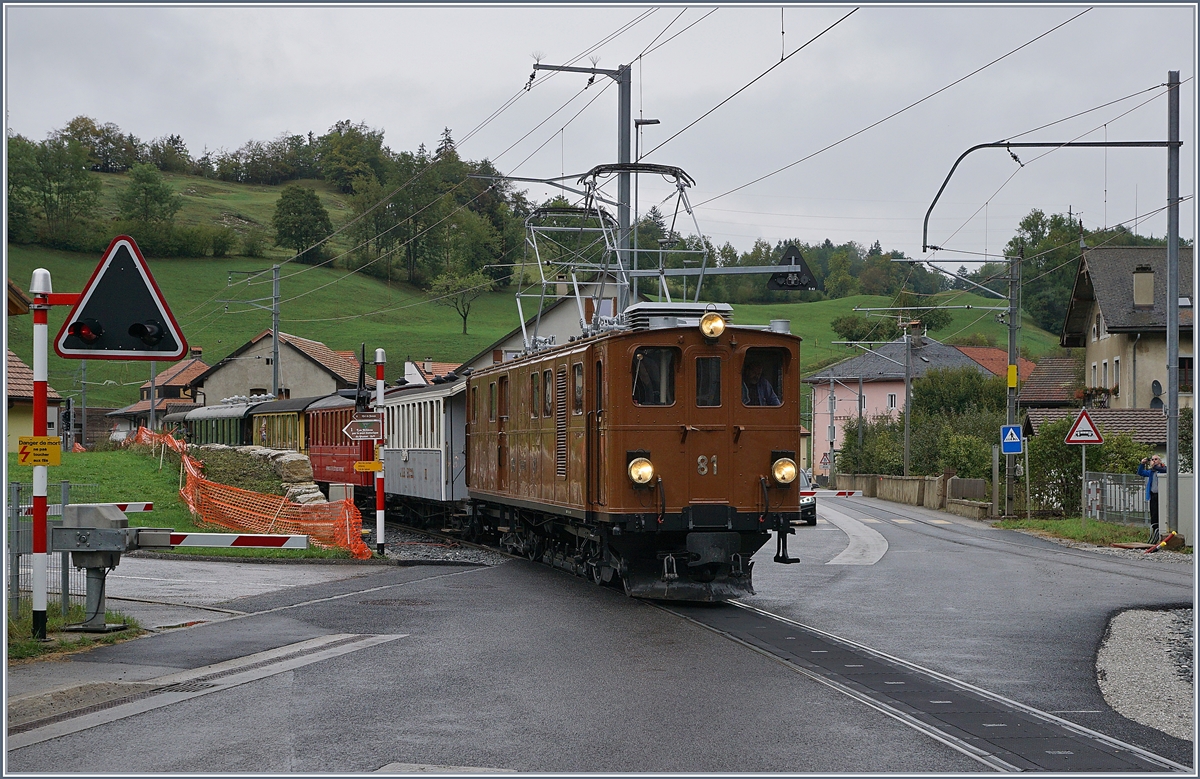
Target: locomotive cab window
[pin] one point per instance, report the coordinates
(492, 402)
(547, 394)
(654, 376)
(534, 383)
(577, 393)
(762, 377)
(708, 381)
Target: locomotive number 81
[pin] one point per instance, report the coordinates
(661, 455)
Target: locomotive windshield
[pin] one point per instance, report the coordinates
(654, 376)
(708, 381)
(762, 377)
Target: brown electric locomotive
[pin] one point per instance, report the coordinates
(661, 454)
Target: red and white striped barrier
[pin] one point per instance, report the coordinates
(260, 540)
(831, 493)
(55, 510)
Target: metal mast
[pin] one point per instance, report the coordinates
(1173, 300)
(623, 75)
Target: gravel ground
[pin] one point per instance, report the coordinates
(1145, 669)
(407, 546)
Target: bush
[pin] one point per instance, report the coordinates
(254, 244)
(222, 240)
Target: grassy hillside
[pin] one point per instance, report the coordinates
(811, 322)
(344, 309)
(244, 207)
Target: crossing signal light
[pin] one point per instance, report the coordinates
(149, 332)
(86, 330)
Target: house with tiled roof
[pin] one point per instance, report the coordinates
(19, 386)
(882, 374)
(307, 368)
(995, 360)
(1053, 383)
(173, 391)
(1118, 314)
(425, 371)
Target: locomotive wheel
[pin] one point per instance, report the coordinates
(593, 573)
(533, 546)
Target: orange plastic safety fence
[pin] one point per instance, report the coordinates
(333, 524)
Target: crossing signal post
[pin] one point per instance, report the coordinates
(120, 315)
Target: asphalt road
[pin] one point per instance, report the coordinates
(519, 667)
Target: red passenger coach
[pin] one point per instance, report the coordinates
(333, 454)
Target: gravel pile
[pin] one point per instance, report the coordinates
(1144, 667)
(406, 546)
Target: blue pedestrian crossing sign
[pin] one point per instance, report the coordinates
(1010, 439)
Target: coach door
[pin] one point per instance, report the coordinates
(502, 436)
(706, 435)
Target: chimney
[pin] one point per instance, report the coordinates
(197, 352)
(428, 365)
(1143, 288)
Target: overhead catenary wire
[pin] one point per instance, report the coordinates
(892, 115)
(752, 81)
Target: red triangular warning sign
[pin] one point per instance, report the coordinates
(121, 313)
(1084, 431)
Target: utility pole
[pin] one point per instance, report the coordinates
(1014, 324)
(153, 381)
(907, 388)
(623, 75)
(1173, 300)
(273, 308)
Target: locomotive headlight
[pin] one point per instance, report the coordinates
(784, 470)
(712, 325)
(641, 471)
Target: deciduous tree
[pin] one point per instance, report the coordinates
(460, 290)
(301, 221)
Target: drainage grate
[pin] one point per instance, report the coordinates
(192, 686)
(395, 602)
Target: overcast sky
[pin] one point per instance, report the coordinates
(220, 76)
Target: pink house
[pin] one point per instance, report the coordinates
(882, 374)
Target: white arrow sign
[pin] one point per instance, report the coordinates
(1084, 431)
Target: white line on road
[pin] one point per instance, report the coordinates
(866, 546)
(223, 675)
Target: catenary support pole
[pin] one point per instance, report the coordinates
(380, 360)
(1172, 311)
(907, 388)
(1014, 325)
(995, 479)
(860, 413)
(40, 288)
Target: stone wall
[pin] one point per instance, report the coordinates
(293, 469)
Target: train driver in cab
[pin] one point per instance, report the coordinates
(756, 388)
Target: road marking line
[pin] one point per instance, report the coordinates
(866, 545)
(224, 676)
(903, 521)
(419, 768)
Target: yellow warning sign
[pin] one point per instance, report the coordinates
(1012, 375)
(39, 450)
(368, 465)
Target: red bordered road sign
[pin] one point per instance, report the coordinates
(121, 313)
(1084, 431)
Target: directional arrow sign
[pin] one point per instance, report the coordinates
(364, 427)
(121, 313)
(1010, 439)
(1084, 431)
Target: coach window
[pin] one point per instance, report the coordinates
(654, 376)
(708, 381)
(547, 394)
(762, 377)
(475, 405)
(577, 374)
(492, 402)
(534, 382)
